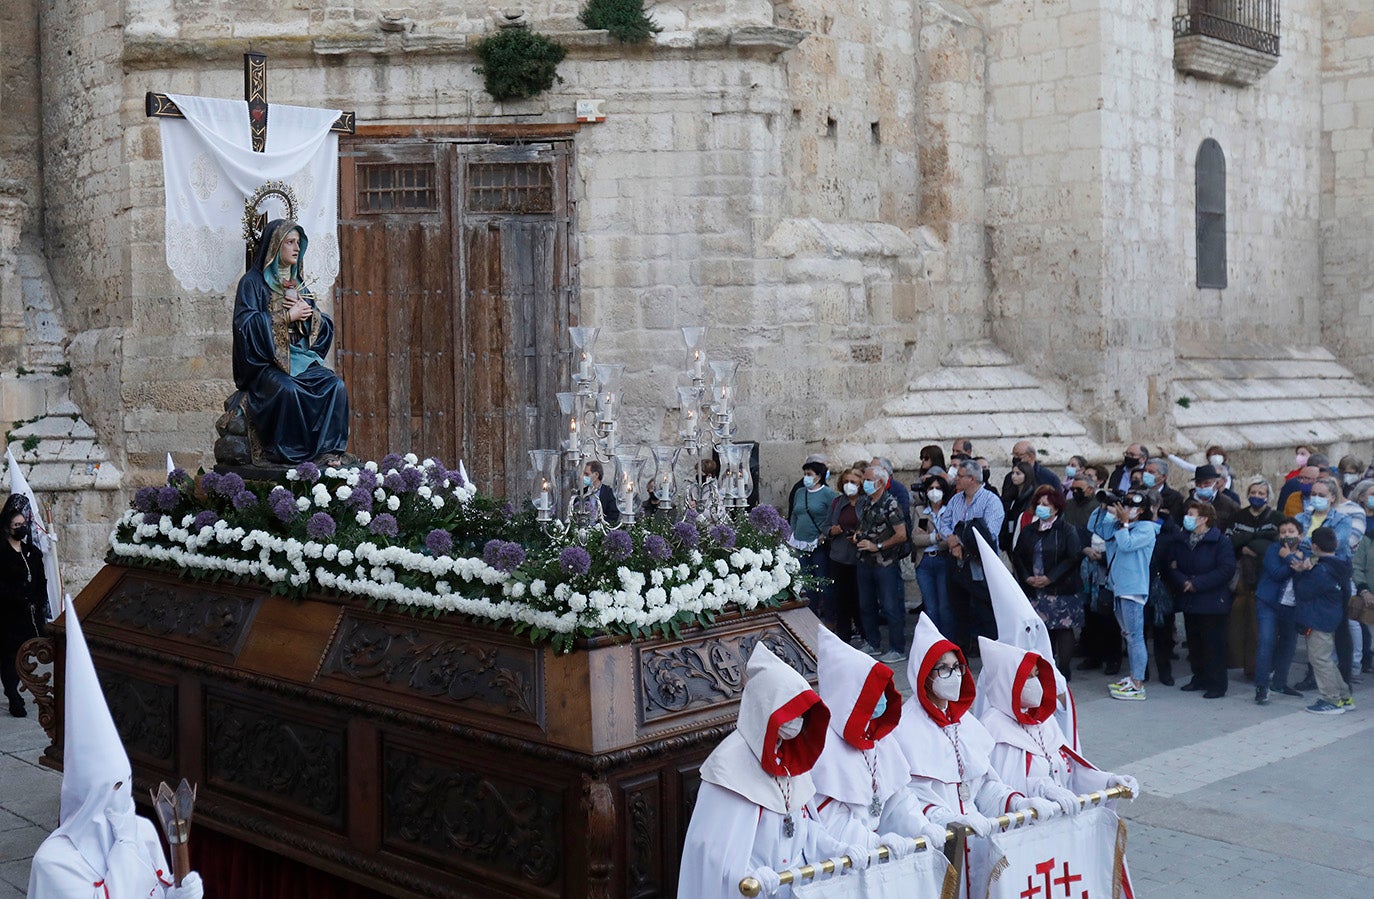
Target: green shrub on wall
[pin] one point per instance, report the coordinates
(518, 63)
(624, 19)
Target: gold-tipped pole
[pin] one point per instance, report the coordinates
(174, 813)
(750, 886)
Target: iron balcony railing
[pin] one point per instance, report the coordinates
(1246, 23)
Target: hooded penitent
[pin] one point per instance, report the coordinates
(298, 407)
(858, 767)
(1018, 625)
(752, 809)
(100, 847)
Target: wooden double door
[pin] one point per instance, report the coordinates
(456, 289)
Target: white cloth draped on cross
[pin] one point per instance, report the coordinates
(209, 169)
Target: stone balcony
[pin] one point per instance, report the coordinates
(1225, 41)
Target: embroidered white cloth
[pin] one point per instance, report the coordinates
(209, 169)
(921, 875)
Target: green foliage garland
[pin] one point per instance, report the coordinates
(518, 63)
(624, 19)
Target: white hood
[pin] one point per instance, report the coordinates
(922, 732)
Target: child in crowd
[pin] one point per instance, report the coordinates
(1322, 588)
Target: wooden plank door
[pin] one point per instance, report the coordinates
(395, 299)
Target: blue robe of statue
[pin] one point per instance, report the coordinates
(298, 407)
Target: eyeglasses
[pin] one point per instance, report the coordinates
(946, 671)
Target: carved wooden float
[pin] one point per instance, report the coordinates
(418, 756)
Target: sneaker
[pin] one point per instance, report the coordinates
(1347, 703)
(1125, 681)
(1128, 692)
(891, 657)
(1289, 691)
(873, 651)
(1261, 696)
(1322, 707)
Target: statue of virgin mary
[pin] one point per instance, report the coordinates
(297, 406)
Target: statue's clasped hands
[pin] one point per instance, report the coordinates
(298, 309)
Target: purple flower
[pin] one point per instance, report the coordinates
(384, 525)
(439, 542)
(229, 485)
(507, 509)
(145, 499)
(723, 536)
(766, 519)
(412, 478)
(202, 520)
(691, 516)
(320, 526)
(437, 475)
(209, 482)
(658, 549)
(390, 461)
(686, 534)
(152, 518)
(167, 498)
(619, 545)
(283, 504)
(177, 477)
(367, 482)
(394, 483)
(785, 532)
(575, 560)
(503, 556)
(243, 499)
(308, 472)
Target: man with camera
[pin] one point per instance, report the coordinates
(882, 542)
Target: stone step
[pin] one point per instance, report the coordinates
(941, 402)
(1264, 388)
(1245, 411)
(986, 377)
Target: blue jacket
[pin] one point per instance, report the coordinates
(1210, 566)
(1128, 558)
(1322, 594)
(1275, 572)
(1338, 522)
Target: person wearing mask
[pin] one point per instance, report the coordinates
(1217, 458)
(1023, 455)
(896, 488)
(1046, 560)
(882, 542)
(600, 497)
(1255, 528)
(842, 524)
(1296, 489)
(1080, 500)
(932, 574)
(1349, 470)
(1101, 636)
(1071, 470)
(809, 516)
(1017, 491)
(809, 461)
(23, 594)
(1156, 477)
(1320, 511)
(1322, 587)
(1275, 613)
(986, 466)
(1160, 611)
(1129, 547)
(1207, 487)
(971, 506)
(1301, 453)
(1134, 458)
(1197, 569)
(932, 461)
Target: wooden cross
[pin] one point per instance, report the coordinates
(255, 92)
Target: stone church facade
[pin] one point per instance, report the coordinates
(910, 220)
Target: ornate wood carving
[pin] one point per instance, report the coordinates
(696, 674)
(213, 620)
(276, 760)
(643, 839)
(598, 805)
(406, 659)
(465, 817)
(145, 715)
(34, 654)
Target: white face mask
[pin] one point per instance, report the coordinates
(851, 488)
(947, 688)
(1032, 693)
(935, 495)
(790, 729)
(1216, 460)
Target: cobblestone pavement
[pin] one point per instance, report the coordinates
(1238, 800)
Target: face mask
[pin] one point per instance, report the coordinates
(790, 729)
(1032, 694)
(936, 495)
(1070, 471)
(1148, 479)
(1320, 504)
(586, 480)
(809, 481)
(1133, 512)
(947, 688)
(1043, 512)
(870, 488)
(1078, 493)
(1299, 460)
(1350, 477)
(1130, 461)
(20, 532)
(1207, 493)
(1290, 541)
(1189, 522)
(851, 489)
(1216, 460)
(1258, 502)
(880, 707)
(1369, 501)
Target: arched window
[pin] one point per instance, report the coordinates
(1211, 215)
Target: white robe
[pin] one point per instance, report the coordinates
(134, 869)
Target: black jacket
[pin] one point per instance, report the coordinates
(23, 593)
(1210, 566)
(1061, 549)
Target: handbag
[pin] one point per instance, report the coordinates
(1360, 609)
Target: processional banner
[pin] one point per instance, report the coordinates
(921, 875)
(209, 169)
(1078, 857)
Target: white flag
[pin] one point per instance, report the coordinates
(41, 535)
(1081, 856)
(921, 875)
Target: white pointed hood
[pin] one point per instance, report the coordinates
(774, 694)
(851, 685)
(96, 775)
(1006, 669)
(1019, 625)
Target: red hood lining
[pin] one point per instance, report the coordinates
(861, 729)
(955, 710)
(1048, 699)
(797, 755)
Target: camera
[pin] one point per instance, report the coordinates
(1110, 497)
